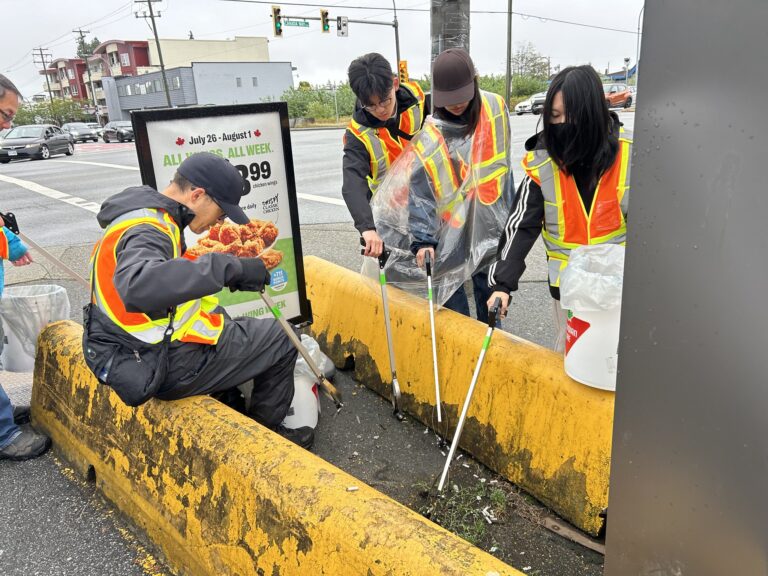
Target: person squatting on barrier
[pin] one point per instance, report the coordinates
(387, 115)
(463, 155)
(154, 327)
(18, 441)
(576, 187)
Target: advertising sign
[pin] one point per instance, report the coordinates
(255, 138)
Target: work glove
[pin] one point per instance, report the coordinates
(254, 276)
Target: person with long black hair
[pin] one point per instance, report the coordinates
(576, 186)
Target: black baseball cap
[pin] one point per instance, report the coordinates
(453, 78)
(221, 181)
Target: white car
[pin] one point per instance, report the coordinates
(524, 107)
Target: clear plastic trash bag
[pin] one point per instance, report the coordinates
(323, 362)
(25, 311)
(593, 279)
(458, 205)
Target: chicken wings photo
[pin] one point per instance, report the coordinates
(252, 240)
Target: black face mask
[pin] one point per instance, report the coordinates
(561, 139)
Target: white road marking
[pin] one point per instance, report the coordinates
(322, 199)
(37, 188)
(54, 194)
(118, 166)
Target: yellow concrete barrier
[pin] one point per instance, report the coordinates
(221, 495)
(528, 420)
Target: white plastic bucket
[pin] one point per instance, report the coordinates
(591, 347)
(305, 407)
(25, 312)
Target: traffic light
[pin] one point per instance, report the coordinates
(277, 22)
(402, 69)
(324, 21)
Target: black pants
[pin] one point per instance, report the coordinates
(248, 348)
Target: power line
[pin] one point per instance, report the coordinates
(425, 10)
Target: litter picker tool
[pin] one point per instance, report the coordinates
(9, 220)
(331, 390)
(492, 314)
(383, 282)
(428, 265)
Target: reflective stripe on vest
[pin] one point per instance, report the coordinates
(382, 147)
(489, 157)
(566, 221)
(194, 320)
(489, 152)
(5, 251)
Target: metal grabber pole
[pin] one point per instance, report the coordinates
(329, 389)
(428, 265)
(385, 302)
(492, 313)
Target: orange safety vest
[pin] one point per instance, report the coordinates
(5, 251)
(383, 149)
(193, 322)
(566, 221)
(489, 160)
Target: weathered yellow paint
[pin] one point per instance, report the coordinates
(222, 495)
(528, 420)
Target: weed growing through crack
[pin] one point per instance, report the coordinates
(467, 511)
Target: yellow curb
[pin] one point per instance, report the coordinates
(528, 421)
(220, 494)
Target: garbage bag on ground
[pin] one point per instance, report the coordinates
(442, 192)
(25, 311)
(593, 279)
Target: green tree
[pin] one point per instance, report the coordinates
(527, 61)
(56, 112)
(85, 48)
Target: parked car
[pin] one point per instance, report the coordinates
(524, 107)
(80, 132)
(617, 95)
(96, 126)
(120, 130)
(36, 141)
(537, 102)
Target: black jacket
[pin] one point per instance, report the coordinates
(356, 165)
(147, 276)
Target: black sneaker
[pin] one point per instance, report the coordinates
(304, 436)
(20, 415)
(28, 444)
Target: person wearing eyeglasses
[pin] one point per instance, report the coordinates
(154, 326)
(18, 441)
(388, 114)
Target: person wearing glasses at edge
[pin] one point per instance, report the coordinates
(472, 129)
(18, 440)
(388, 113)
(576, 187)
(140, 273)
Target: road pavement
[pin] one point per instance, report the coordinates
(56, 524)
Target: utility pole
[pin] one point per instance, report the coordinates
(397, 38)
(508, 91)
(157, 43)
(43, 53)
(82, 34)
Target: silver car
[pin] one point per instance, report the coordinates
(81, 132)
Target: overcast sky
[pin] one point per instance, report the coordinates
(320, 57)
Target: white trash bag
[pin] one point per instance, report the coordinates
(593, 279)
(25, 311)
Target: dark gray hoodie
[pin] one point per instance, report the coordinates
(147, 277)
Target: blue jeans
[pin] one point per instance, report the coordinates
(458, 302)
(8, 430)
